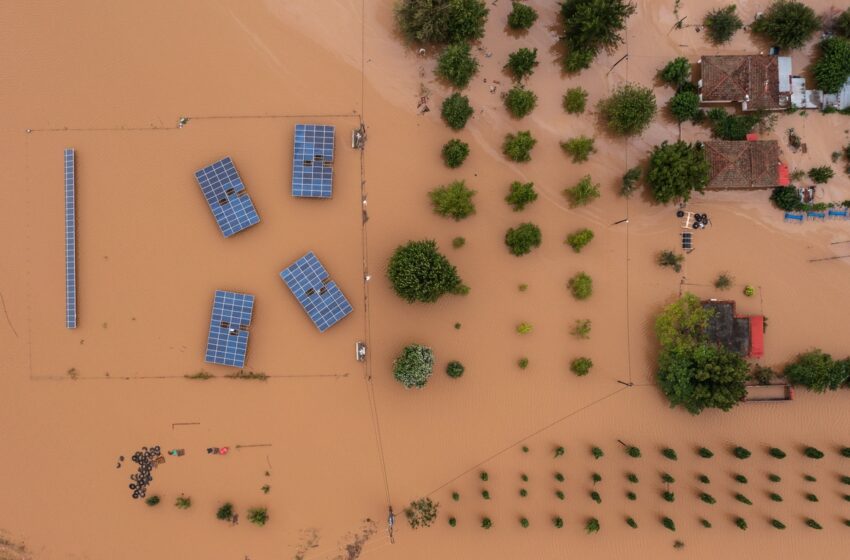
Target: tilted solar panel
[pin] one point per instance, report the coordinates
(227, 342)
(70, 242)
(320, 297)
(226, 196)
(312, 161)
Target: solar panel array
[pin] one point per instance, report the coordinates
(70, 243)
(311, 285)
(227, 342)
(312, 161)
(226, 195)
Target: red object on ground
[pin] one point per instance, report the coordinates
(756, 336)
(784, 178)
(752, 137)
(224, 450)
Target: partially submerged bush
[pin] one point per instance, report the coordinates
(722, 23)
(419, 272)
(520, 101)
(671, 260)
(787, 23)
(225, 512)
(453, 200)
(441, 21)
(454, 369)
(520, 195)
(258, 516)
(575, 100)
(684, 106)
(517, 147)
(629, 110)
(456, 111)
(421, 513)
(456, 65)
(522, 62)
(582, 193)
(521, 16)
(579, 147)
(630, 180)
(523, 238)
(581, 286)
(413, 366)
(821, 174)
(581, 366)
(578, 239)
(582, 330)
(455, 152)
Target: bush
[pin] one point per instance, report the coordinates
(677, 72)
(813, 453)
(821, 174)
(578, 239)
(668, 523)
(732, 127)
(633, 451)
(421, 513)
(631, 496)
(455, 496)
(787, 23)
(813, 524)
(582, 193)
(520, 101)
(517, 147)
(522, 62)
(575, 100)
(485, 494)
(258, 516)
(776, 453)
(786, 198)
(667, 478)
(458, 242)
(592, 526)
(668, 496)
(723, 281)
(816, 371)
(675, 170)
(629, 110)
(522, 363)
(559, 451)
(597, 452)
(452, 522)
(590, 26)
(183, 502)
(225, 512)
(630, 180)
(559, 477)
(520, 195)
(413, 366)
(486, 523)
(741, 523)
(454, 369)
(455, 152)
(581, 366)
(845, 452)
(453, 201)
(775, 497)
(594, 495)
(705, 453)
(581, 286)
(721, 24)
(582, 330)
(774, 477)
(777, 523)
(456, 65)
(522, 239)
(579, 148)
(743, 499)
(671, 259)
(812, 497)
(705, 523)
(632, 477)
(524, 328)
(578, 60)
(631, 523)
(707, 498)
(704, 479)
(521, 16)
(484, 476)
(841, 24)
(741, 452)
(670, 454)
(749, 291)
(741, 479)
(558, 522)
(684, 106)
(456, 111)
(441, 21)
(419, 272)
(152, 501)
(833, 67)
(524, 522)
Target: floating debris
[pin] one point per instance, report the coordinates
(147, 459)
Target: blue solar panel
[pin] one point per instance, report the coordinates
(310, 284)
(70, 243)
(312, 161)
(228, 337)
(225, 193)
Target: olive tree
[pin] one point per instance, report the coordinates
(419, 272)
(414, 366)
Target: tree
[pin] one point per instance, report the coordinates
(590, 26)
(559, 451)
(786, 198)
(684, 106)
(522, 62)
(183, 502)
(597, 452)
(520, 195)
(225, 512)
(707, 498)
(633, 451)
(486, 523)
(677, 72)
(631, 523)
(723, 281)
(581, 286)
(455, 152)
(668, 496)
(575, 100)
(813, 453)
(419, 272)
(833, 67)
(520, 101)
(841, 24)
(667, 478)
(632, 477)
(741, 452)
(741, 523)
(629, 110)
(776, 453)
(454, 369)
(682, 322)
(705, 453)
(456, 65)
(743, 499)
(578, 239)
(582, 193)
(517, 147)
(630, 180)
(152, 501)
(521, 16)
(813, 524)
(670, 454)
(581, 366)
(592, 526)
(705, 523)
(816, 371)
(821, 174)
(421, 513)
(668, 523)
(441, 21)
(704, 479)
(258, 516)
(558, 522)
(453, 201)
(722, 23)
(774, 497)
(675, 170)
(787, 23)
(579, 147)
(522, 239)
(732, 127)
(671, 259)
(777, 523)
(524, 522)
(456, 111)
(702, 375)
(582, 330)
(413, 366)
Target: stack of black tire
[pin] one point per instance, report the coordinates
(146, 459)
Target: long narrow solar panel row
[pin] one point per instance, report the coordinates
(312, 161)
(70, 243)
(226, 195)
(321, 299)
(227, 342)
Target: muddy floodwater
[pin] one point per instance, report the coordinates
(335, 440)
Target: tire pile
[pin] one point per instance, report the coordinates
(142, 478)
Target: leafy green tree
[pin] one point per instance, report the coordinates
(524, 522)
(258, 516)
(631, 496)
(183, 502)
(452, 522)
(813, 524)
(845, 452)
(581, 366)
(454, 369)
(455, 152)
(704, 479)
(521, 62)
(517, 147)
(453, 200)
(675, 170)
(419, 272)
(670, 454)
(582, 330)
(590, 26)
(581, 286)
(702, 375)
(629, 110)
(775, 497)
(152, 501)
(631, 523)
(677, 72)
(684, 106)
(633, 451)
(707, 498)
(741, 479)
(776, 452)
(683, 322)
(668, 496)
(522, 16)
(594, 495)
(833, 66)
(671, 259)
(705, 453)
(520, 101)
(774, 477)
(787, 23)
(811, 497)
(579, 239)
(441, 21)
(484, 476)
(722, 23)
(597, 452)
(813, 453)
(225, 512)
(668, 523)
(456, 111)
(732, 127)
(582, 193)
(520, 195)
(841, 24)
(559, 476)
(486, 523)
(777, 523)
(786, 198)
(741, 523)
(578, 60)
(421, 512)
(723, 281)
(558, 522)
(592, 526)
(575, 100)
(632, 477)
(741, 452)
(630, 180)
(579, 147)
(523, 238)
(821, 174)
(816, 371)
(456, 65)
(413, 366)
(705, 523)
(559, 451)
(667, 478)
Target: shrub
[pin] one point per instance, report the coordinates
(597, 452)
(816, 371)
(522, 239)
(677, 72)
(631, 496)
(741, 452)
(455, 152)
(777, 453)
(671, 259)
(594, 495)
(670, 454)
(441, 21)
(575, 100)
(522, 363)
(152, 501)
(458, 242)
(265, 488)
(786, 198)
(631, 523)
(581, 286)
(704, 479)
(581, 366)
(524, 328)
(707, 498)
(517, 147)
(743, 499)
(845, 452)
(630, 180)
(749, 291)
(732, 127)
(454, 369)
(524, 522)
(675, 170)
(741, 478)
(523, 287)
(841, 24)
(524, 477)
(522, 62)
(813, 524)
(777, 523)
(629, 110)
(456, 65)
(559, 451)
(668, 496)
(582, 330)
(592, 526)
(520, 195)
(521, 16)
(591, 26)
(485, 494)
(723, 281)
(813, 453)
(705, 523)
(774, 477)
(721, 24)
(578, 239)
(579, 148)
(582, 193)
(558, 522)
(520, 101)
(452, 522)
(787, 23)
(225, 512)
(486, 523)
(455, 496)
(668, 523)
(453, 201)
(833, 67)
(413, 366)
(419, 272)
(775, 497)
(484, 476)
(684, 106)
(741, 523)
(811, 497)
(667, 478)
(183, 502)
(632, 477)
(821, 174)
(809, 478)
(633, 451)
(258, 516)
(705, 453)
(456, 111)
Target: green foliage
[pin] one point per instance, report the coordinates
(486, 523)
(702, 375)
(723, 281)
(524, 522)
(455, 496)
(225, 512)
(441, 21)
(667, 478)
(579, 147)
(520, 101)
(521, 16)
(524, 477)
(813, 453)
(413, 366)
(841, 24)
(152, 501)
(455, 152)
(722, 23)
(741, 452)
(668, 523)
(581, 286)
(631, 523)
(704, 479)
(668, 496)
(523, 238)
(590, 26)
(774, 477)
(786, 198)
(581, 366)
(813, 524)
(258, 516)
(594, 495)
(454, 369)
(677, 72)
(632, 477)
(732, 127)
(524, 328)
(458, 242)
(582, 330)
(452, 522)
(845, 452)
(670, 453)
(631, 496)
(559, 477)
(582, 193)
(265, 488)
(592, 526)
(523, 492)
(749, 291)
(183, 502)
(523, 287)
(741, 478)
(811, 497)
(675, 170)
(776, 452)
(833, 67)
(559, 451)
(809, 478)
(578, 239)
(200, 376)
(817, 371)
(741, 523)
(419, 272)
(821, 174)
(575, 100)
(633, 451)
(777, 523)
(787, 23)
(456, 111)
(630, 180)
(705, 453)
(671, 259)
(453, 200)
(522, 62)
(682, 322)
(707, 498)
(558, 522)
(705, 523)
(629, 110)
(456, 65)
(597, 452)
(684, 106)
(522, 363)
(520, 195)
(485, 494)
(775, 497)
(517, 147)
(484, 476)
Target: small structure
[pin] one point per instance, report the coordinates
(757, 82)
(226, 196)
(320, 297)
(769, 393)
(840, 100)
(70, 242)
(743, 164)
(312, 161)
(227, 342)
(743, 335)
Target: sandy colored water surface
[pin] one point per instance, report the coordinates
(340, 439)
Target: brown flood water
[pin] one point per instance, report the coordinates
(112, 81)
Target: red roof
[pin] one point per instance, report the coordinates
(756, 336)
(784, 178)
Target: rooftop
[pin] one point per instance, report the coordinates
(752, 80)
(726, 329)
(742, 164)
